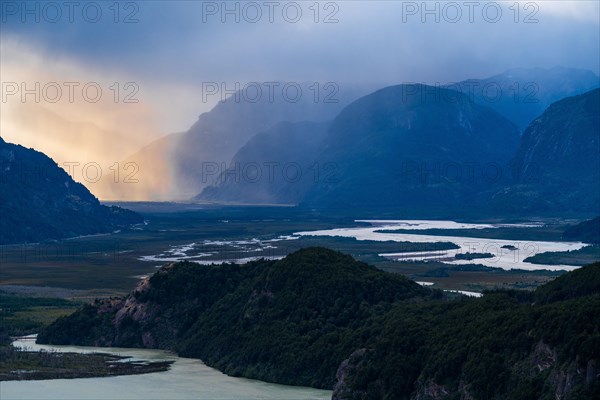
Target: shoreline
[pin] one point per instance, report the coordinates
(21, 364)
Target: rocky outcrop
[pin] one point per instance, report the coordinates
(342, 389)
(136, 320)
(431, 391)
(543, 357)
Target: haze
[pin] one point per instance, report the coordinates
(162, 54)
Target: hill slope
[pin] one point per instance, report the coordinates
(301, 319)
(40, 201)
(559, 160)
(500, 346)
(291, 321)
(586, 231)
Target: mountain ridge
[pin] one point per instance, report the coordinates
(522, 94)
(409, 147)
(185, 161)
(559, 160)
(40, 201)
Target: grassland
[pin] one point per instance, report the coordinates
(20, 315)
(109, 265)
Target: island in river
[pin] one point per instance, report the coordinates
(18, 364)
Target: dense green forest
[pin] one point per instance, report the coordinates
(320, 318)
(291, 321)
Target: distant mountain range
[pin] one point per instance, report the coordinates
(400, 146)
(407, 149)
(40, 201)
(180, 165)
(419, 150)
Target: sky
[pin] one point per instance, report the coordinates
(97, 80)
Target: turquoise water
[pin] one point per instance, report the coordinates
(187, 379)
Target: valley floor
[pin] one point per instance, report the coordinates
(103, 266)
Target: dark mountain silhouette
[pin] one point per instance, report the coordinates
(558, 160)
(40, 201)
(413, 148)
(586, 231)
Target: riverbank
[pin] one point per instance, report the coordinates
(186, 379)
(20, 364)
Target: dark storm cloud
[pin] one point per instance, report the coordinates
(371, 41)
